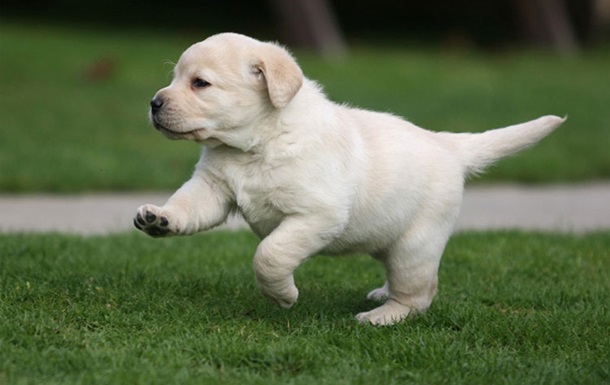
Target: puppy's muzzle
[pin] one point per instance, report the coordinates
(156, 104)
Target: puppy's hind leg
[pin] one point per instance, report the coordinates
(411, 266)
(380, 294)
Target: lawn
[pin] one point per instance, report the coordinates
(73, 105)
(513, 308)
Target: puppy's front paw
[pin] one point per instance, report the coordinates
(154, 221)
(285, 297)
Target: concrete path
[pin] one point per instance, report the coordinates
(564, 208)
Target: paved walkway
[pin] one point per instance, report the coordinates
(564, 208)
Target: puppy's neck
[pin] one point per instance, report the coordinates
(272, 125)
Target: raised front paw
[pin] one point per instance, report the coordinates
(154, 221)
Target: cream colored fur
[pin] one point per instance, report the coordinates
(309, 175)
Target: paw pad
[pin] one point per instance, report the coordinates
(150, 223)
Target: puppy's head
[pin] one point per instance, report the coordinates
(223, 83)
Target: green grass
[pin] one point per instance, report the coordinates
(61, 132)
(513, 308)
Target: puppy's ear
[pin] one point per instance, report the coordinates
(282, 75)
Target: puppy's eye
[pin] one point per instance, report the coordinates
(200, 83)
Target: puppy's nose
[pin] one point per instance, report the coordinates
(156, 104)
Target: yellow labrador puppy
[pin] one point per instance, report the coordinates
(309, 175)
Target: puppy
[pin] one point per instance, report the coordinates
(311, 176)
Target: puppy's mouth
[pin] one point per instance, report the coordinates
(198, 134)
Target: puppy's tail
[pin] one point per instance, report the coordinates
(478, 151)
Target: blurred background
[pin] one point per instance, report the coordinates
(76, 78)
(321, 25)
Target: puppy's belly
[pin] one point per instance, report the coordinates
(262, 219)
(264, 227)
(366, 238)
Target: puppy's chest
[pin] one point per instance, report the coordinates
(262, 194)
